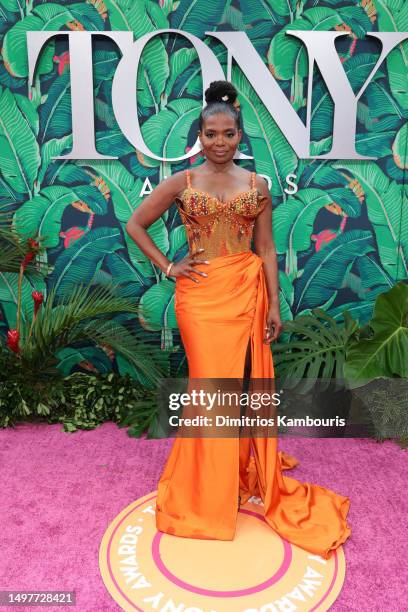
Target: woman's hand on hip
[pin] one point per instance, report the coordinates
(185, 266)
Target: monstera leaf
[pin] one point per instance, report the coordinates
(316, 350)
(386, 352)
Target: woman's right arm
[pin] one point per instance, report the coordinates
(151, 209)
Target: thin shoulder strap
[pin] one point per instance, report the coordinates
(253, 177)
(188, 177)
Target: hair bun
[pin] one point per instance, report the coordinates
(221, 91)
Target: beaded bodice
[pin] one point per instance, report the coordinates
(221, 228)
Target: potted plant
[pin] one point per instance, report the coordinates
(343, 357)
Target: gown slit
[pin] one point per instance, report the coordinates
(243, 459)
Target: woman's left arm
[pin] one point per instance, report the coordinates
(265, 248)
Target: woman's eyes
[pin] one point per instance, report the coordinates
(230, 135)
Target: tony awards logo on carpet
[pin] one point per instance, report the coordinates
(258, 571)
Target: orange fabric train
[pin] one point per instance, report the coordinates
(199, 487)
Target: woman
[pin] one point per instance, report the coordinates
(227, 308)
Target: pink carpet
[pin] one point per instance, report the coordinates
(60, 491)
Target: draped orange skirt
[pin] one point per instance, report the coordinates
(199, 487)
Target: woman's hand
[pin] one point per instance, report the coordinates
(273, 324)
(185, 266)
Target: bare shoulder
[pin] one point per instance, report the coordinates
(262, 185)
(174, 185)
(176, 180)
(260, 181)
(247, 176)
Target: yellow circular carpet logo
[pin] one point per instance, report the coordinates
(145, 569)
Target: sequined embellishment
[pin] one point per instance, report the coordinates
(221, 228)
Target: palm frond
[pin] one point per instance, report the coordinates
(11, 249)
(58, 316)
(82, 316)
(152, 362)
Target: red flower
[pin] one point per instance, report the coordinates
(38, 300)
(74, 233)
(61, 60)
(13, 338)
(33, 246)
(27, 259)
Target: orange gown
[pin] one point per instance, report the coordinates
(197, 495)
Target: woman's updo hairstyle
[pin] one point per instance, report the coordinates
(221, 97)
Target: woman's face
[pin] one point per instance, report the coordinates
(219, 137)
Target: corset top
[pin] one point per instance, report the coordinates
(221, 228)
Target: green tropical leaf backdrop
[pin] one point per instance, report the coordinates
(341, 237)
